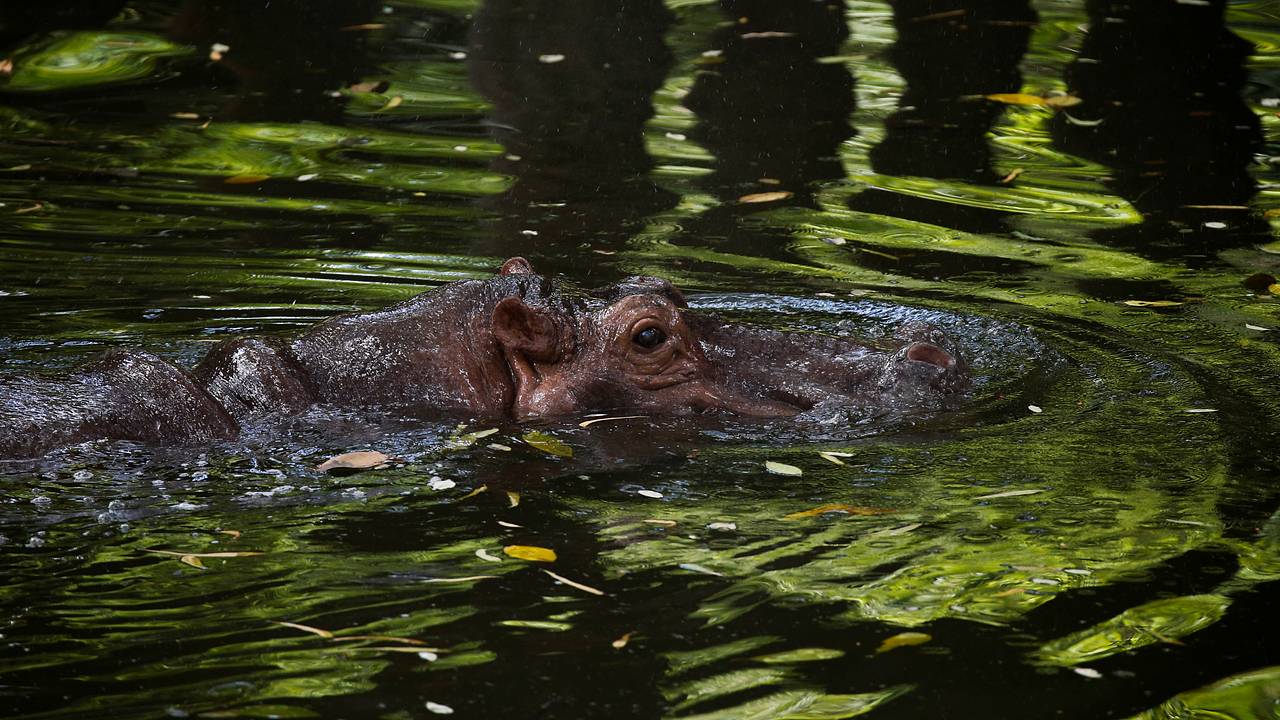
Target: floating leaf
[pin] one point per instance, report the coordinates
(778, 468)
(1062, 101)
(1259, 328)
(372, 86)
(1152, 303)
(622, 641)
(475, 492)
(904, 639)
(654, 494)
(831, 457)
(836, 508)
(235, 534)
(513, 498)
(1009, 493)
(800, 655)
(1035, 409)
(179, 554)
(392, 104)
(1014, 174)
(487, 556)
(530, 552)
(765, 197)
(381, 638)
(663, 523)
(726, 526)
(547, 444)
(246, 179)
(593, 421)
(550, 625)
(191, 560)
(359, 460)
(1087, 672)
(571, 583)
(1016, 99)
(900, 530)
(305, 628)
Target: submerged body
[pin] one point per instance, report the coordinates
(511, 346)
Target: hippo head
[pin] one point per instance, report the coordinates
(636, 347)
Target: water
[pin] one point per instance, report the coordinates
(1112, 554)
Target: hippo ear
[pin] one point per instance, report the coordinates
(528, 330)
(516, 266)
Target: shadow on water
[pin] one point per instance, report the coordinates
(1093, 531)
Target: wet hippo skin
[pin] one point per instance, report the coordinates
(512, 346)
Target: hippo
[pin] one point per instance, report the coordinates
(515, 346)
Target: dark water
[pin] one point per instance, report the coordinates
(1104, 258)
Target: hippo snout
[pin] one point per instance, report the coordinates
(928, 364)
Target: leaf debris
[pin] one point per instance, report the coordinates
(573, 584)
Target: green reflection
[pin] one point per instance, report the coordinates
(72, 61)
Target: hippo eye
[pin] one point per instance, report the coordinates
(649, 338)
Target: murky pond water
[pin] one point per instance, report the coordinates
(1084, 196)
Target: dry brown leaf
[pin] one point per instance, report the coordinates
(765, 197)
(235, 534)
(1058, 102)
(836, 507)
(359, 460)
(372, 86)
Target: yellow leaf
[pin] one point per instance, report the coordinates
(622, 641)
(547, 444)
(392, 104)
(359, 460)
(530, 552)
(836, 507)
(191, 560)
(1274, 289)
(903, 640)
(1016, 99)
(246, 179)
(475, 492)
(831, 457)
(765, 197)
(1152, 303)
(235, 534)
(513, 497)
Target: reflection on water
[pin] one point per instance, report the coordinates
(1093, 531)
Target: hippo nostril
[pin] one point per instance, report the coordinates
(927, 352)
